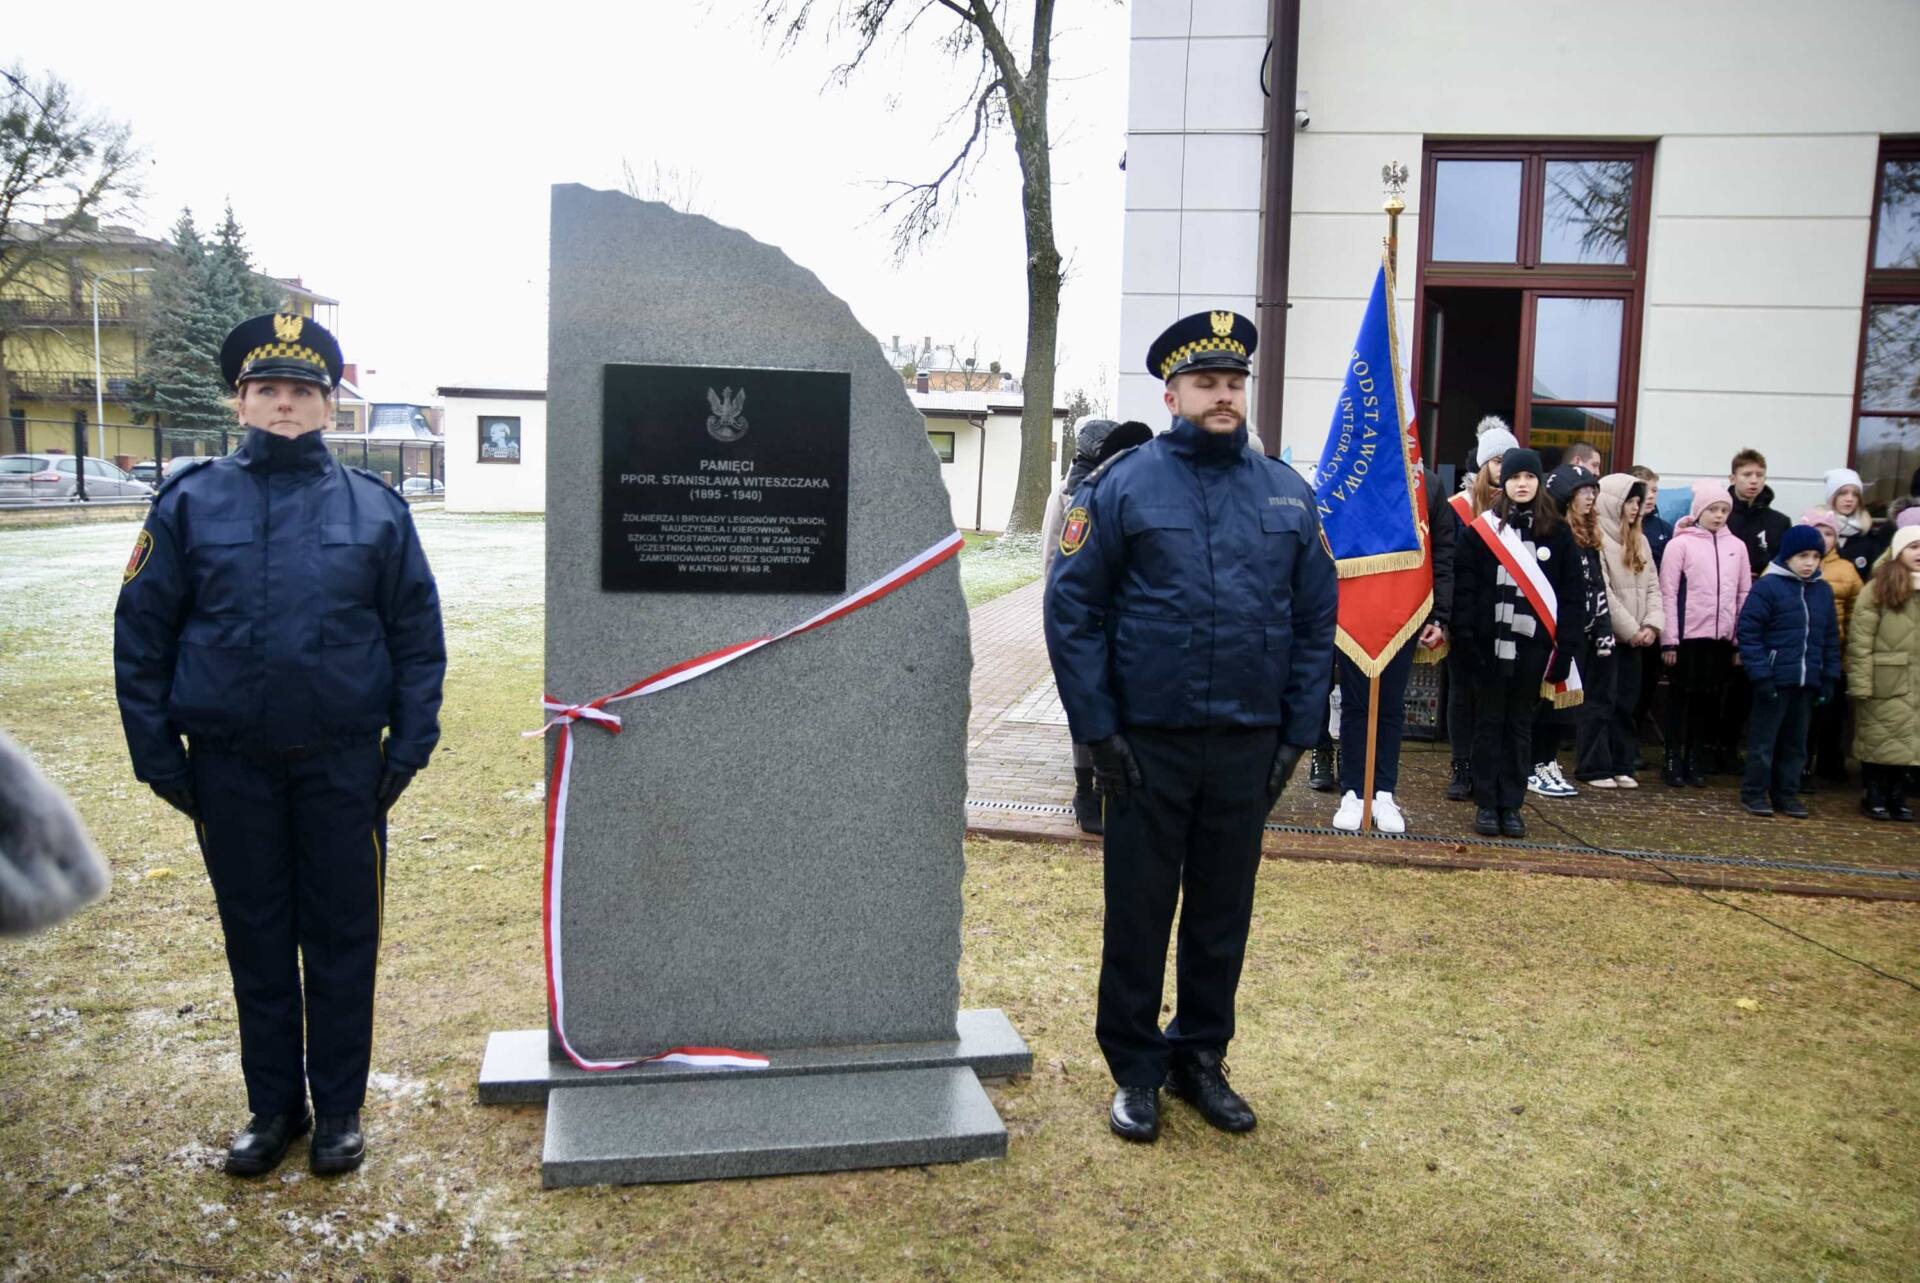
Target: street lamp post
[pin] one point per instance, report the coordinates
(99, 395)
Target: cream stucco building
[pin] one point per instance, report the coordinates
(1673, 229)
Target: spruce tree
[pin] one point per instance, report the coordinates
(251, 292)
(193, 306)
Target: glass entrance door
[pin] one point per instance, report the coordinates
(1571, 371)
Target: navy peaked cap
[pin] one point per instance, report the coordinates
(281, 345)
(1203, 341)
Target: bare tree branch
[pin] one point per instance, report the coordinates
(1003, 94)
(924, 215)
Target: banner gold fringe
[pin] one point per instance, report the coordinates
(1434, 656)
(1380, 562)
(1561, 699)
(1369, 666)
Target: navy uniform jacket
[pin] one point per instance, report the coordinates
(277, 599)
(1203, 594)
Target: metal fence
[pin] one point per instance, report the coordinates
(415, 468)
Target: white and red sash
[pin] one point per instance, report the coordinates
(1462, 506)
(1507, 549)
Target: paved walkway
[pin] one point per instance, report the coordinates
(1020, 785)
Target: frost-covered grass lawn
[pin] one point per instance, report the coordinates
(994, 564)
(1460, 1076)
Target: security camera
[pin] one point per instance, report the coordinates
(1302, 113)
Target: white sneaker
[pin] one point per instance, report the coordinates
(1626, 781)
(1547, 781)
(1604, 782)
(1347, 818)
(1386, 814)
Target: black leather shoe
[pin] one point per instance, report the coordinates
(1136, 1114)
(1511, 825)
(1898, 809)
(1486, 822)
(1673, 772)
(1459, 782)
(1201, 1081)
(1087, 813)
(1320, 773)
(259, 1149)
(1792, 808)
(1756, 806)
(337, 1145)
(1874, 807)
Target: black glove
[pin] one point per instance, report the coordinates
(1765, 691)
(1825, 695)
(1285, 758)
(177, 792)
(393, 782)
(1115, 773)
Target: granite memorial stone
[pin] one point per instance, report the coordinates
(767, 858)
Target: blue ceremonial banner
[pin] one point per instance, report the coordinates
(1367, 485)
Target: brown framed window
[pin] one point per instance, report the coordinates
(942, 443)
(1529, 293)
(1886, 399)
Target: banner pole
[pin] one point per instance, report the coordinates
(1373, 744)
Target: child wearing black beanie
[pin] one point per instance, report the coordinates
(1516, 588)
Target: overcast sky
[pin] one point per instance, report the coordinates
(398, 158)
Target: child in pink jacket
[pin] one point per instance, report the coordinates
(1704, 579)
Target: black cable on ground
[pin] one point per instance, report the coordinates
(1714, 899)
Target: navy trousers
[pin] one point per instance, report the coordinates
(297, 850)
(1353, 721)
(1777, 745)
(1190, 835)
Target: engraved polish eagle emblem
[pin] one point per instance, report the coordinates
(286, 328)
(728, 422)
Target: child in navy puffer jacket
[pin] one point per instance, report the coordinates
(1790, 647)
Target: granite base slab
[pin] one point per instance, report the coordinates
(750, 1124)
(517, 1069)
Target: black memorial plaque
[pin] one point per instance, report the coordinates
(724, 480)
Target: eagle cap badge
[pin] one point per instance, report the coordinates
(1222, 323)
(286, 327)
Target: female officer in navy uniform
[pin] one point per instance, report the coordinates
(278, 613)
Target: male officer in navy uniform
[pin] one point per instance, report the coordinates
(1189, 617)
(278, 612)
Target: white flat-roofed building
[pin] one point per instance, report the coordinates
(1674, 230)
(496, 449)
(976, 436)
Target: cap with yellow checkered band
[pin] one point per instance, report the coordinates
(281, 345)
(1203, 341)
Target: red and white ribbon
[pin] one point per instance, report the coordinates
(564, 715)
(1507, 549)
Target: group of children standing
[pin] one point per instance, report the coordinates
(1567, 585)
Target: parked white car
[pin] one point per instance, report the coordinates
(56, 476)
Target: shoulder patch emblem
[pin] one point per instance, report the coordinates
(138, 558)
(1073, 535)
